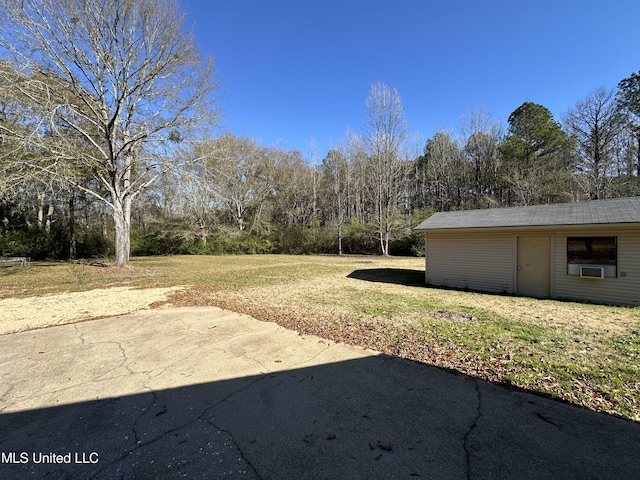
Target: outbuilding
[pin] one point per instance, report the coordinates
(587, 251)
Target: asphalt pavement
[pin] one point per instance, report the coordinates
(202, 393)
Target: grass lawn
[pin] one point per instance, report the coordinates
(588, 355)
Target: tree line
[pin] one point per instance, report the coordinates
(107, 147)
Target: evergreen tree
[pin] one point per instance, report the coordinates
(538, 157)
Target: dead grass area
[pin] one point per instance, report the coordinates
(585, 354)
(46, 278)
(22, 314)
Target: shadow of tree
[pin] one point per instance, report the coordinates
(397, 276)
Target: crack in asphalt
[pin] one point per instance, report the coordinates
(308, 360)
(123, 363)
(263, 377)
(472, 427)
(138, 444)
(80, 334)
(137, 429)
(237, 445)
(134, 427)
(125, 359)
(2, 395)
(123, 354)
(95, 379)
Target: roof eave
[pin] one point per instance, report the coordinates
(559, 226)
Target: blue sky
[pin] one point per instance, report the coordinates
(298, 72)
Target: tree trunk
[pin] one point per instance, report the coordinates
(41, 210)
(380, 222)
(73, 246)
(103, 217)
(638, 154)
(386, 243)
(122, 224)
(47, 224)
(387, 230)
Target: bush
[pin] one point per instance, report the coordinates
(411, 245)
(358, 238)
(243, 244)
(153, 243)
(296, 240)
(94, 244)
(35, 243)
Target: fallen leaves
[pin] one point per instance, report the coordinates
(583, 354)
(386, 446)
(408, 342)
(496, 338)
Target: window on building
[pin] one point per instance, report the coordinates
(602, 251)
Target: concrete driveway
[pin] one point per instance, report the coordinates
(206, 393)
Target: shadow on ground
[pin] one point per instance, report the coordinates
(397, 276)
(374, 417)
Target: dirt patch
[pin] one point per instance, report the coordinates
(21, 314)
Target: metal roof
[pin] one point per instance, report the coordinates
(616, 210)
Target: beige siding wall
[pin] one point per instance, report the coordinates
(486, 262)
(477, 261)
(625, 289)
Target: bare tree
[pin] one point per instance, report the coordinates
(595, 122)
(293, 202)
(481, 136)
(334, 178)
(628, 97)
(241, 176)
(16, 119)
(357, 181)
(385, 134)
(445, 172)
(116, 85)
(194, 194)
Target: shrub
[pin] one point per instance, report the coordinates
(35, 243)
(408, 245)
(358, 238)
(230, 245)
(94, 244)
(144, 244)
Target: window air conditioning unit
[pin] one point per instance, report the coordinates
(591, 271)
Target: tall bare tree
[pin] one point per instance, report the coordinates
(334, 178)
(595, 122)
(293, 202)
(193, 192)
(628, 97)
(386, 132)
(446, 172)
(116, 85)
(481, 134)
(357, 181)
(242, 178)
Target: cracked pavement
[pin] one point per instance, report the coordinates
(207, 393)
